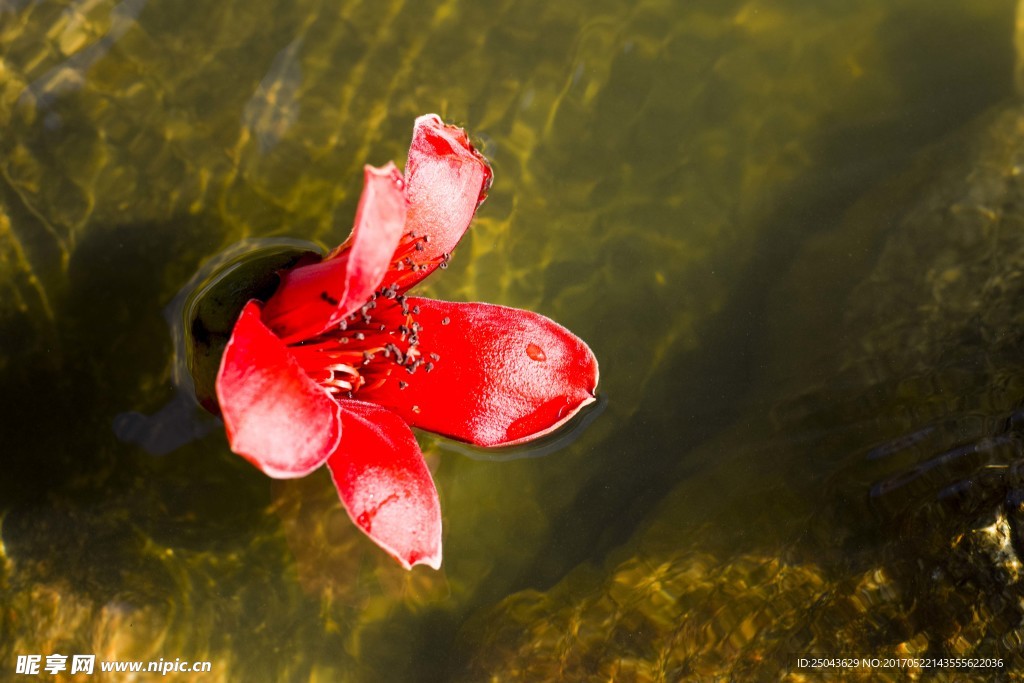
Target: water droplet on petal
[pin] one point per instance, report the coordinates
(535, 352)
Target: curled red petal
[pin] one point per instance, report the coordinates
(385, 485)
(276, 417)
(313, 298)
(446, 179)
(497, 376)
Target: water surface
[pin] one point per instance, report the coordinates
(658, 168)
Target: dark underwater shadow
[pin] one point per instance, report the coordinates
(199, 321)
(678, 414)
(78, 504)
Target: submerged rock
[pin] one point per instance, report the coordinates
(870, 503)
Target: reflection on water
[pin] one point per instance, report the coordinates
(274, 107)
(70, 74)
(678, 183)
(167, 430)
(540, 448)
(200, 318)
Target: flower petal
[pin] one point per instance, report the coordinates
(498, 377)
(446, 179)
(313, 298)
(276, 417)
(385, 485)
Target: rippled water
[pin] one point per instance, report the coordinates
(792, 251)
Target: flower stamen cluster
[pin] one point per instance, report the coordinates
(337, 365)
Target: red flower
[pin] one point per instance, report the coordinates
(339, 362)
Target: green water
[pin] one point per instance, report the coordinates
(701, 190)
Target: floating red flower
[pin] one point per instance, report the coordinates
(339, 362)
